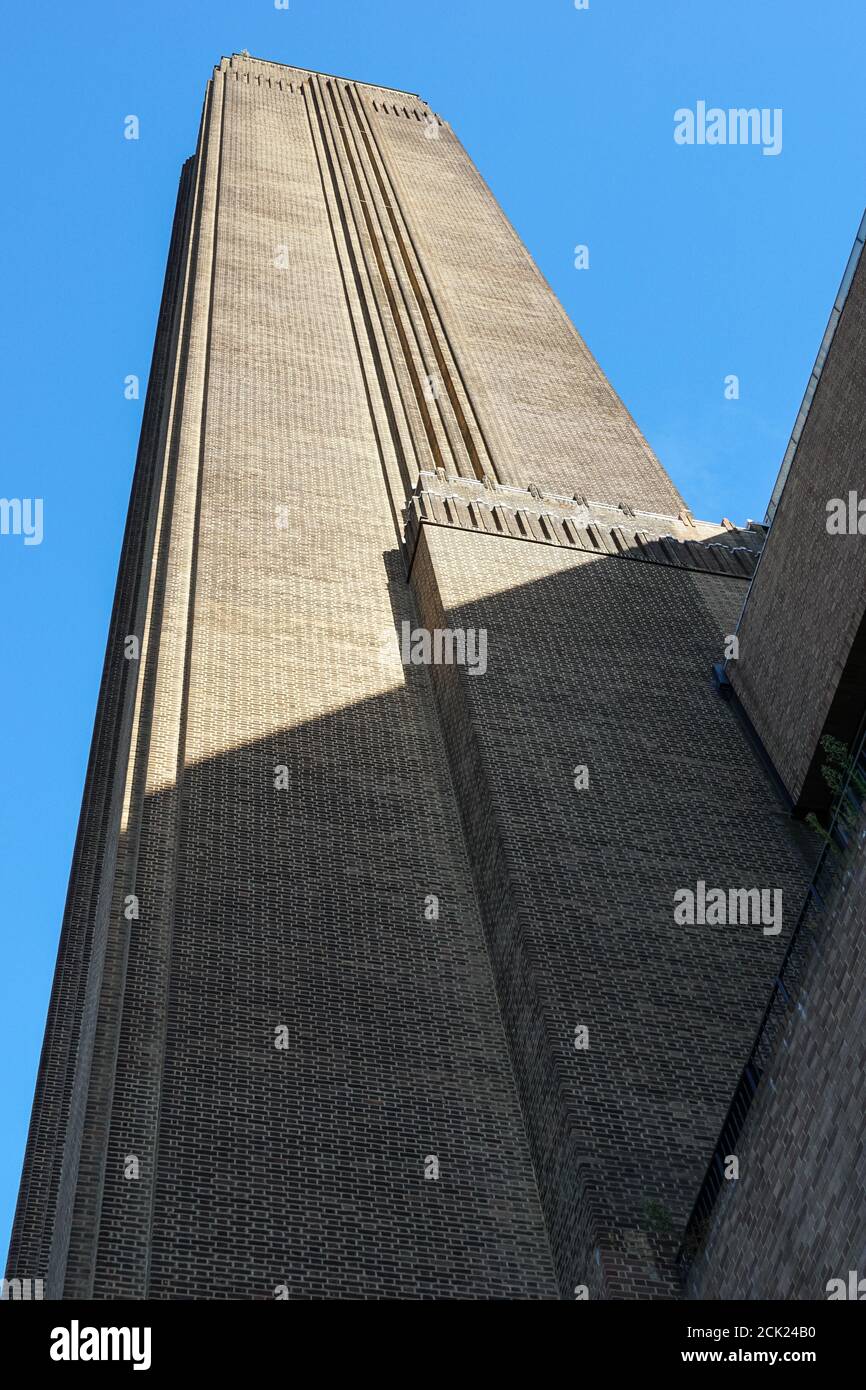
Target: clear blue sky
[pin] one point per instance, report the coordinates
(703, 262)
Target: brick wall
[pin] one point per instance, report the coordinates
(346, 309)
(270, 605)
(605, 662)
(794, 1220)
(802, 662)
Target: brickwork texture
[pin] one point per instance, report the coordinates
(335, 922)
(793, 1220)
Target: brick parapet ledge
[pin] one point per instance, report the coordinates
(576, 523)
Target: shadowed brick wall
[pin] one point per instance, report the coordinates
(605, 662)
(794, 1220)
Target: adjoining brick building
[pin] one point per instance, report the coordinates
(369, 982)
(793, 1226)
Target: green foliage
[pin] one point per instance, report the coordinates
(658, 1218)
(839, 772)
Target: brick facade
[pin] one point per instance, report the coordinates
(598, 661)
(794, 1218)
(367, 409)
(801, 671)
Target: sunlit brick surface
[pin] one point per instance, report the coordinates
(802, 666)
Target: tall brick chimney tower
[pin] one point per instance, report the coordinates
(369, 983)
